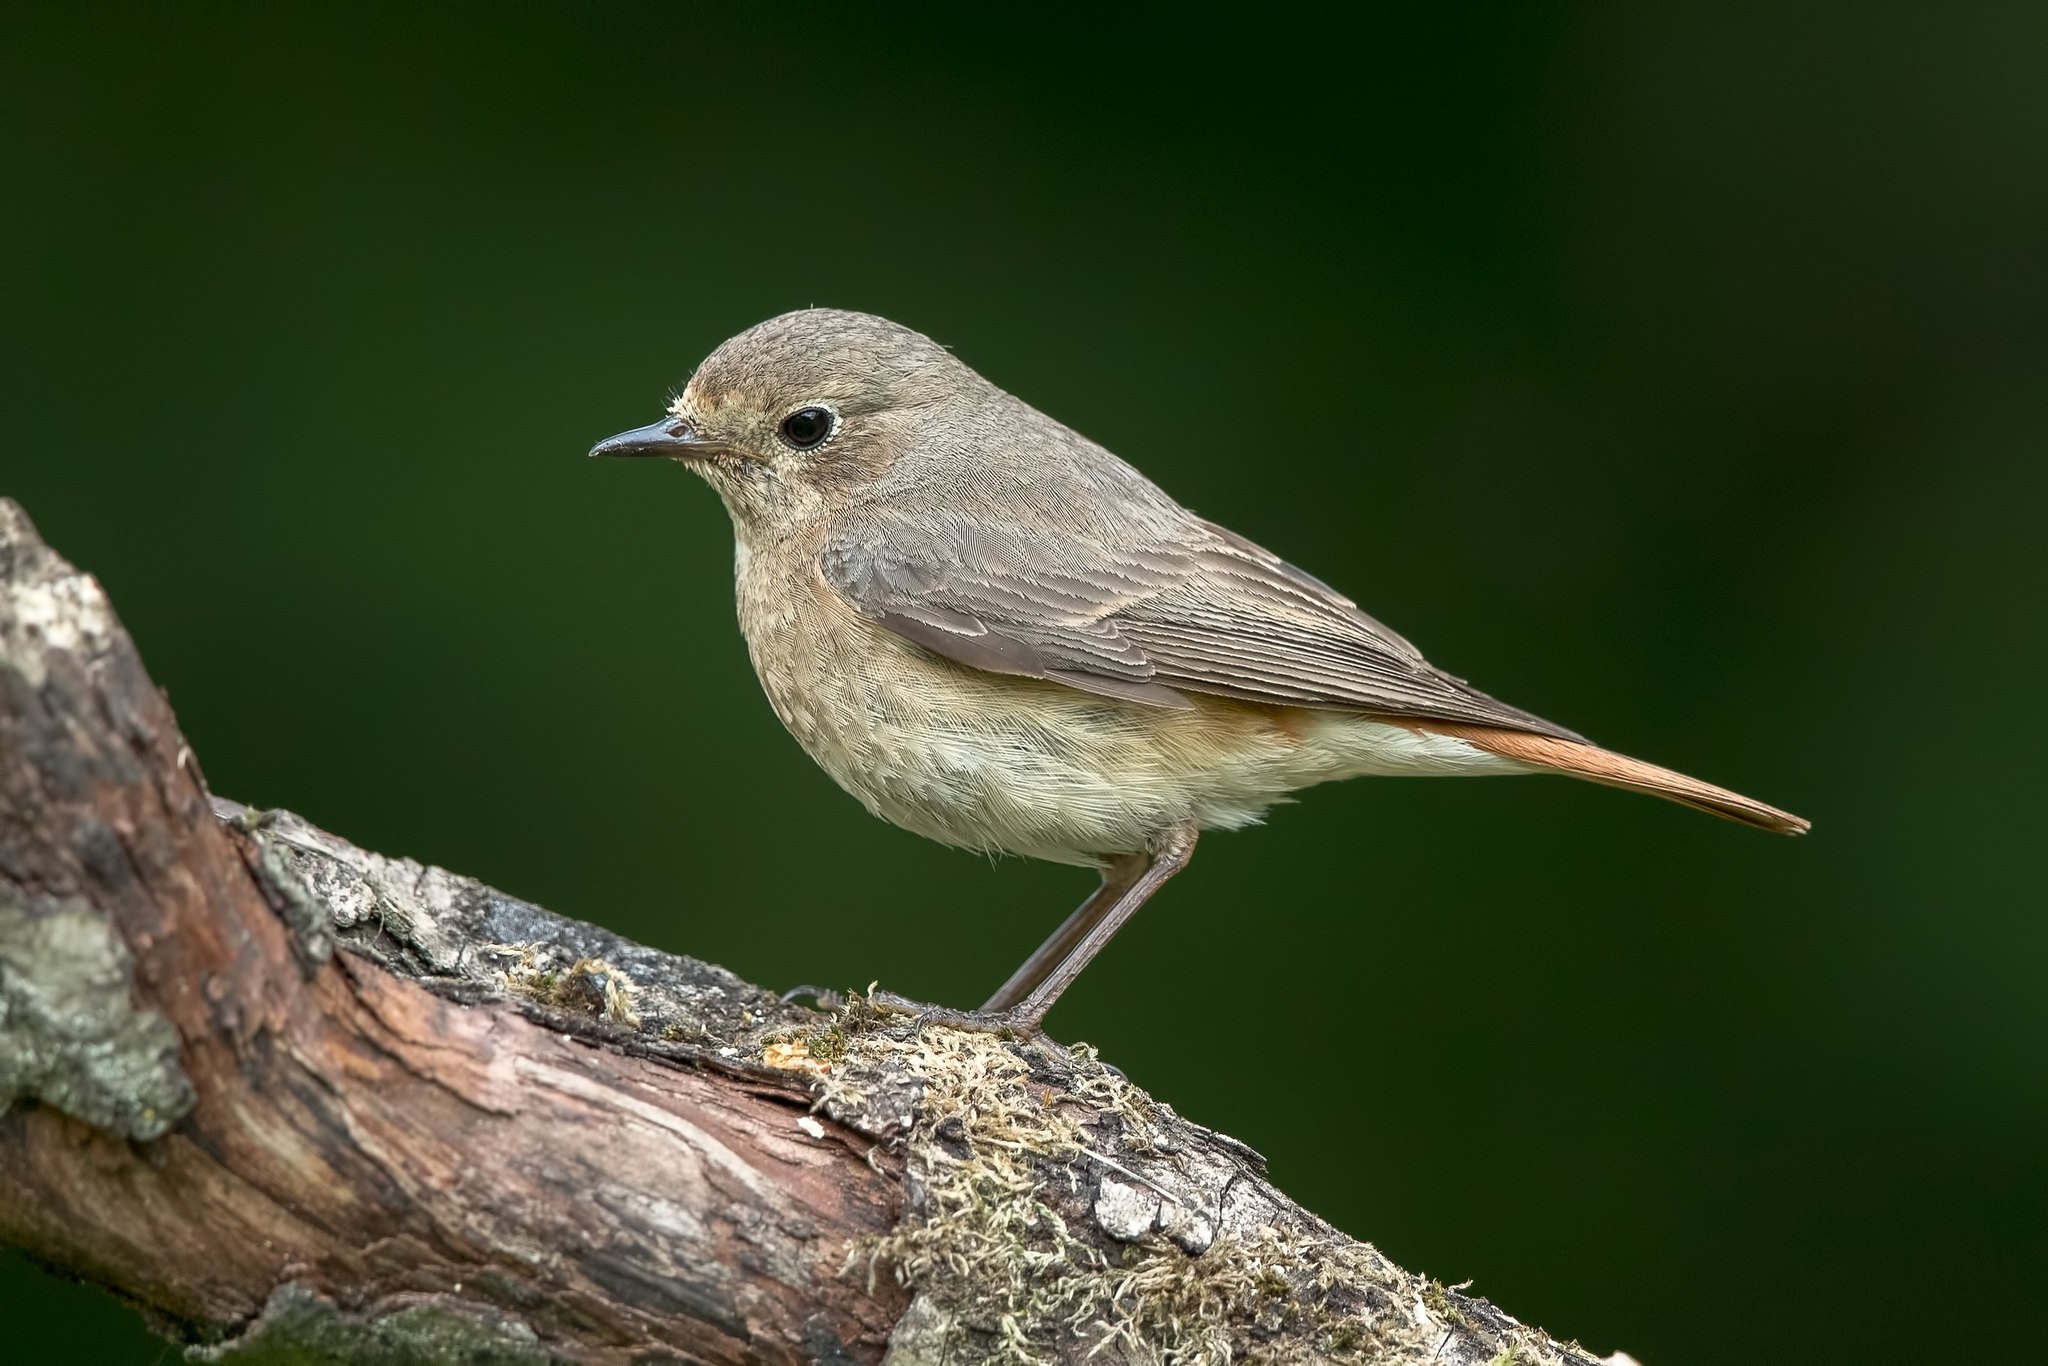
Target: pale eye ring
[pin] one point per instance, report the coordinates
(807, 428)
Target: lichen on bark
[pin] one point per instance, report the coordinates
(299, 1327)
(1059, 1213)
(71, 1035)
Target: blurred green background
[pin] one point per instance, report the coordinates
(1678, 372)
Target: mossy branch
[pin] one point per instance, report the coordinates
(299, 1102)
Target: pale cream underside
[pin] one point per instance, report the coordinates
(1027, 767)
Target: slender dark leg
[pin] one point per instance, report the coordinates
(1170, 853)
(1020, 1007)
(1118, 876)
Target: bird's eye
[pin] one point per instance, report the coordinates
(806, 427)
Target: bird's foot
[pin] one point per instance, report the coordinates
(1014, 1023)
(824, 998)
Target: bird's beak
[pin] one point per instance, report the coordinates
(671, 437)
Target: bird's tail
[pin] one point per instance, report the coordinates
(1597, 765)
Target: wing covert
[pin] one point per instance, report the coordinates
(1148, 620)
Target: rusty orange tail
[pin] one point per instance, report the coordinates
(1598, 765)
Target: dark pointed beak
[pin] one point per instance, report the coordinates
(671, 437)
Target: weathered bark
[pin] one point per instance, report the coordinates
(299, 1102)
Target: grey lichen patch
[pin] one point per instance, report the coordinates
(47, 608)
(923, 1336)
(1058, 1214)
(452, 934)
(1126, 1212)
(290, 895)
(301, 1328)
(71, 1034)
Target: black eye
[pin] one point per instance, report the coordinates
(806, 427)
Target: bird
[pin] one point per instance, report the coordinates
(993, 632)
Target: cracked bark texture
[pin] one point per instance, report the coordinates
(299, 1102)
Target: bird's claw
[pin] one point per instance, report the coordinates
(1006, 1023)
(1010, 1024)
(824, 997)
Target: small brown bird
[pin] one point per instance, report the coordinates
(995, 633)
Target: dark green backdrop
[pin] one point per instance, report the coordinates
(1679, 374)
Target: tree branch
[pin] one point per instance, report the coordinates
(479, 1132)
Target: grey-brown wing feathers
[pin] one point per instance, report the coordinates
(1149, 619)
(974, 601)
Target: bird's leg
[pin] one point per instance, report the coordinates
(1020, 1007)
(1119, 874)
(1170, 853)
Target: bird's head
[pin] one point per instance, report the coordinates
(803, 412)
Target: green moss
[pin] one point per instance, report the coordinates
(992, 1247)
(1438, 1300)
(589, 986)
(1011, 1264)
(829, 1044)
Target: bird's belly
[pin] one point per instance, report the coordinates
(1022, 766)
(995, 764)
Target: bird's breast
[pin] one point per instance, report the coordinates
(979, 760)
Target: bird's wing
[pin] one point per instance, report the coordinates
(1149, 619)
